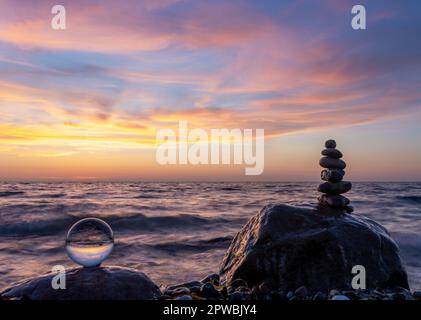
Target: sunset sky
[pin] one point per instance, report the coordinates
(85, 103)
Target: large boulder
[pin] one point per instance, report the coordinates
(100, 283)
(290, 247)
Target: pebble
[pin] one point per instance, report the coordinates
(333, 293)
(349, 209)
(331, 163)
(335, 187)
(330, 144)
(236, 296)
(332, 153)
(212, 278)
(301, 292)
(238, 283)
(332, 175)
(417, 295)
(336, 201)
(320, 296)
(340, 297)
(186, 285)
(181, 290)
(209, 291)
(185, 297)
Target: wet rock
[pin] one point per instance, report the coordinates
(209, 291)
(340, 297)
(291, 246)
(236, 296)
(335, 188)
(332, 175)
(331, 163)
(185, 297)
(181, 291)
(99, 283)
(332, 153)
(301, 292)
(212, 278)
(336, 201)
(186, 285)
(320, 296)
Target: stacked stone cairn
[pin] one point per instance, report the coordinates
(332, 174)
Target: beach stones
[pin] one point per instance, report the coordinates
(333, 174)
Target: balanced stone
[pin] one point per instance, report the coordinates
(332, 175)
(333, 200)
(330, 144)
(332, 153)
(331, 163)
(335, 188)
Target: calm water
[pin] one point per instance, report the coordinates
(175, 231)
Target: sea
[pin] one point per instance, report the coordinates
(175, 232)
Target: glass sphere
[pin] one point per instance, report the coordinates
(89, 242)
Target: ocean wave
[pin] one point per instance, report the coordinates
(10, 193)
(193, 245)
(413, 199)
(118, 223)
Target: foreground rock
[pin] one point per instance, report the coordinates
(289, 247)
(102, 283)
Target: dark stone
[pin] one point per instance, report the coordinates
(335, 187)
(331, 163)
(100, 283)
(184, 297)
(320, 296)
(212, 278)
(236, 296)
(349, 209)
(291, 246)
(189, 285)
(417, 295)
(332, 175)
(301, 292)
(330, 144)
(332, 153)
(333, 200)
(209, 291)
(181, 290)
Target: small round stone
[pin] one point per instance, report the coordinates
(330, 144)
(340, 297)
(332, 153)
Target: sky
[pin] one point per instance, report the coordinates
(85, 103)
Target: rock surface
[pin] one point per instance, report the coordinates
(101, 283)
(290, 247)
(332, 163)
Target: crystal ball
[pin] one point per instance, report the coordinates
(89, 242)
